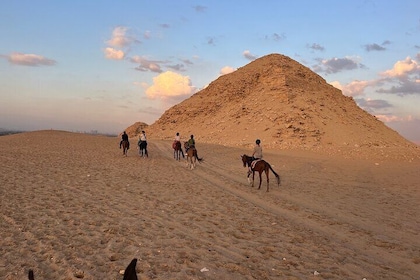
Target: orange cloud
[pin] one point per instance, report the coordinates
(402, 68)
(226, 70)
(30, 59)
(170, 85)
(119, 37)
(111, 53)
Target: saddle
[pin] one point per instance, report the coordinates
(254, 162)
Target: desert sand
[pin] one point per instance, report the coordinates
(73, 207)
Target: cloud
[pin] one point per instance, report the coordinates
(164, 25)
(143, 85)
(170, 85)
(405, 86)
(147, 65)
(29, 59)
(226, 70)
(147, 34)
(211, 41)
(111, 53)
(373, 47)
(390, 118)
(402, 68)
(247, 54)
(177, 67)
(353, 88)
(276, 37)
(199, 8)
(315, 47)
(370, 104)
(120, 38)
(335, 65)
(405, 77)
(187, 61)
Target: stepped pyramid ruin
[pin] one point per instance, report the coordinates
(281, 102)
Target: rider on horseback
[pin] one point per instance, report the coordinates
(190, 144)
(256, 154)
(177, 141)
(142, 143)
(124, 137)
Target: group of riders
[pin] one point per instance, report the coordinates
(190, 144)
(142, 142)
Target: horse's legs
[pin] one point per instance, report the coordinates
(268, 179)
(253, 178)
(259, 173)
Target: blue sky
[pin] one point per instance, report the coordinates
(103, 65)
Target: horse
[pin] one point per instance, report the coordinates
(129, 273)
(176, 145)
(143, 149)
(259, 166)
(192, 155)
(124, 145)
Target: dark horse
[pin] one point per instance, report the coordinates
(129, 273)
(192, 155)
(176, 145)
(259, 166)
(124, 145)
(143, 149)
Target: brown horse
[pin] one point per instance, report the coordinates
(192, 155)
(124, 145)
(129, 273)
(176, 145)
(259, 166)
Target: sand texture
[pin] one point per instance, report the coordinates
(72, 207)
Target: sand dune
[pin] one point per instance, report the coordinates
(73, 207)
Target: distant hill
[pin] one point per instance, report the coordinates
(135, 129)
(286, 105)
(8, 131)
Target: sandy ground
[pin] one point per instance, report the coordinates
(73, 207)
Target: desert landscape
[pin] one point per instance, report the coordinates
(73, 207)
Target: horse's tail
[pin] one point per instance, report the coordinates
(196, 156)
(199, 159)
(275, 174)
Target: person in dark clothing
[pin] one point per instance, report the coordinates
(124, 137)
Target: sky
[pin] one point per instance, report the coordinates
(101, 66)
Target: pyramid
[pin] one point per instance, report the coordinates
(283, 103)
(135, 129)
